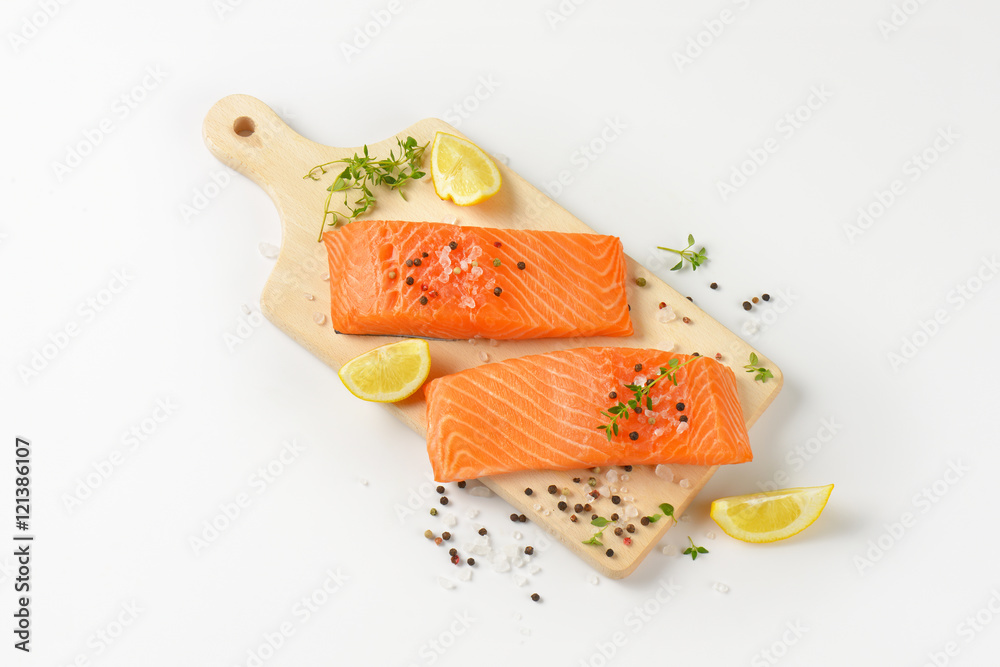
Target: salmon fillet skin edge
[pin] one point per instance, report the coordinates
(541, 412)
(435, 280)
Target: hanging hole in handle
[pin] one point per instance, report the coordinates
(244, 126)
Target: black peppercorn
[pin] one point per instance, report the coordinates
(446, 536)
(409, 262)
(614, 517)
(471, 561)
(453, 245)
(634, 435)
(528, 492)
(440, 489)
(520, 265)
(482, 531)
(616, 499)
(609, 553)
(416, 262)
(409, 280)
(638, 367)
(423, 301)
(746, 305)
(513, 517)
(619, 531)
(529, 550)
(562, 505)
(461, 484)
(536, 597)
(522, 518)
(497, 291)
(444, 500)
(578, 507)
(683, 418)
(644, 520)
(679, 406)
(630, 528)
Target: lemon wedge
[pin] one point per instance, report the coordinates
(461, 171)
(388, 373)
(772, 515)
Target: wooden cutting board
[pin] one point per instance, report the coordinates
(249, 137)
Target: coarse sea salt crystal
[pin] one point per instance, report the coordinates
(594, 579)
(631, 511)
(658, 432)
(666, 346)
(472, 513)
(603, 491)
(526, 631)
(464, 264)
(517, 616)
(639, 380)
(309, 297)
(480, 491)
(446, 584)
(267, 250)
(710, 535)
(510, 550)
(325, 276)
(465, 574)
(665, 314)
(534, 569)
(721, 587)
(516, 535)
(669, 550)
(364, 482)
(517, 561)
(475, 272)
(319, 318)
(501, 564)
(664, 472)
(450, 520)
(483, 356)
(467, 301)
(623, 490)
(624, 478)
(546, 512)
(245, 308)
(681, 427)
(472, 341)
(449, 220)
(494, 342)
(611, 476)
(537, 507)
(685, 484)
(750, 327)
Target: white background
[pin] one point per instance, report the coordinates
(857, 593)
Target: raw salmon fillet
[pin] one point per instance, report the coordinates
(571, 284)
(541, 412)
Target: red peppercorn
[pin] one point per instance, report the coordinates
(423, 287)
(497, 244)
(627, 541)
(663, 305)
(438, 541)
(718, 356)
(456, 560)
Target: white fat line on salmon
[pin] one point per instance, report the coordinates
(913, 168)
(364, 34)
(634, 621)
(121, 108)
(922, 501)
(87, 311)
(712, 29)
(958, 297)
(231, 510)
(786, 127)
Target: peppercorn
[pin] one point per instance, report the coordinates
(496, 262)
(634, 435)
(578, 507)
(423, 287)
(461, 484)
(718, 356)
(453, 551)
(522, 518)
(641, 282)
(593, 516)
(529, 550)
(627, 541)
(686, 320)
(616, 499)
(455, 559)
(689, 299)
(572, 517)
(437, 541)
(609, 553)
(592, 482)
(613, 395)
(638, 367)
(562, 505)
(440, 489)
(428, 534)
(471, 561)
(683, 418)
(497, 291)
(482, 531)
(637, 410)
(746, 305)
(755, 300)
(520, 265)
(409, 280)
(644, 520)
(576, 480)
(714, 285)
(595, 494)
(423, 299)
(409, 262)
(513, 517)
(444, 500)
(619, 531)
(434, 511)
(628, 468)
(417, 262)
(766, 297)
(536, 597)
(552, 489)
(453, 245)
(586, 507)
(696, 354)
(528, 492)
(663, 305)
(423, 254)
(446, 536)
(392, 275)
(630, 528)
(679, 406)
(614, 517)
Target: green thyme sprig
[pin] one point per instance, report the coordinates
(362, 173)
(752, 367)
(601, 523)
(667, 510)
(693, 550)
(640, 397)
(695, 258)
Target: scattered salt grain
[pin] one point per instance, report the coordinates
(502, 158)
(472, 341)
(472, 513)
(267, 250)
(510, 550)
(546, 512)
(467, 302)
(721, 587)
(309, 297)
(537, 507)
(669, 550)
(623, 489)
(494, 342)
(685, 484)
(480, 492)
(665, 314)
(446, 584)
(516, 535)
(517, 561)
(710, 535)
(624, 478)
(319, 318)
(525, 631)
(681, 427)
(517, 616)
(364, 482)
(465, 574)
(325, 276)
(750, 327)
(501, 564)
(665, 473)
(450, 520)
(482, 354)
(534, 569)
(245, 308)
(631, 512)
(666, 346)
(594, 579)
(685, 518)
(449, 220)
(611, 476)
(639, 380)
(658, 432)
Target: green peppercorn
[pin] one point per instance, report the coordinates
(641, 282)
(496, 262)
(434, 511)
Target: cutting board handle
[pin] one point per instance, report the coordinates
(246, 134)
